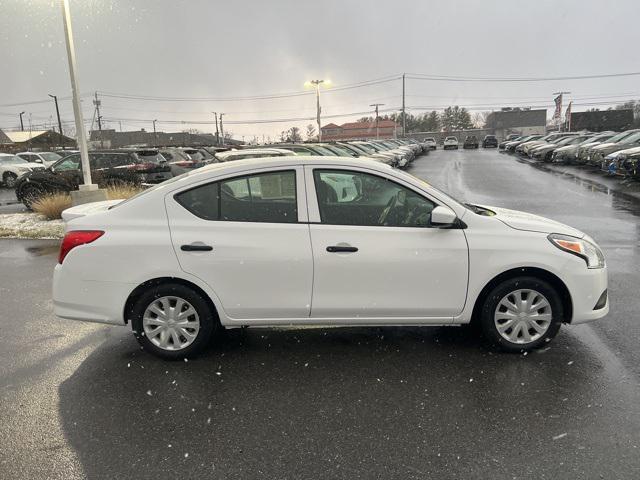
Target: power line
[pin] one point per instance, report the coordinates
(366, 83)
(451, 78)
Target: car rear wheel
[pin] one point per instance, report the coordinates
(521, 314)
(173, 321)
(9, 179)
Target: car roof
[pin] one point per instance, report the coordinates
(287, 161)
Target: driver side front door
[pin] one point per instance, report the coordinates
(375, 256)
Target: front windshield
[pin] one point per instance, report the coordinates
(618, 137)
(50, 156)
(12, 160)
(365, 147)
(631, 138)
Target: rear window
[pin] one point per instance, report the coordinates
(266, 197)
(149, 156)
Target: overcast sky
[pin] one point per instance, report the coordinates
(218, 49)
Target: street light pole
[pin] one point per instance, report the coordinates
(21, 123)
(377, 117)
(55, 100)
(77, 107)
(318, 108)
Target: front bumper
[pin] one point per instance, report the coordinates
(586, 287)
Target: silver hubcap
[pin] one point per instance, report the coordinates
(523, 316)
(171, 323)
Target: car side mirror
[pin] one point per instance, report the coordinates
(443, 217)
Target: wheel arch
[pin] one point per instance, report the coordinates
(554, 280)
(140, 289)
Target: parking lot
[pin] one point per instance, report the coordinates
(84, 400)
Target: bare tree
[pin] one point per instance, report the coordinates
(311, 132)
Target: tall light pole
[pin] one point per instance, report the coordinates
(77, 110)
(316, 84)
(55, 100)
(21, 123)
(377, 117)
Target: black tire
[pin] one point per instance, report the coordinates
(490, 304)
(209, 322)
(30, 193)
(9, 179)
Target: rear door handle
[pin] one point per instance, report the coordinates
(341, 248)
(196, 248)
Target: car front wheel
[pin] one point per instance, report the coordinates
(521, 314)
(30, 193)
(173, 321)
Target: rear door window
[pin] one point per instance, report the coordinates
(266, 197)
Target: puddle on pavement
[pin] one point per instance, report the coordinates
(38, 251)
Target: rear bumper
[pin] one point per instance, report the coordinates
(91, 301)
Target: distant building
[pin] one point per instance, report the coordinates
(520, 121)
(360, 130)
(4, 140)
(41, 140)
(110, 138)
(599, 121)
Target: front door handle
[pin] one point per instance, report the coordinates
(196, 248)
(341, 248)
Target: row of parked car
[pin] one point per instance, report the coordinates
(470, 141)
(32, 178)
(617, 153)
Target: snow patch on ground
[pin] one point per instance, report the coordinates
(30, 225)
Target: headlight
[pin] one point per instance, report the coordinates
(580, 247)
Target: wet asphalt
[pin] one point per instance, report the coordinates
(83, 401)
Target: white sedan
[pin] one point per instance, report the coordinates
(12, 167)
(326, 241)
(450, 142)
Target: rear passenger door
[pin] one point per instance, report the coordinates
(246, 236)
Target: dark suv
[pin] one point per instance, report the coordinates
(490, 141)
(470, 142)
(108, 167)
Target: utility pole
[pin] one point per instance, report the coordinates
(377, 117)
(404, 122)
(21, 123)
(215, 115)
(155, 135)
(221, 129)
(97, 103)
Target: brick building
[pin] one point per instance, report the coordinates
(359, 130)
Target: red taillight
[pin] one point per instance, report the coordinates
(77, 237)
(185, 163)
(142, 166)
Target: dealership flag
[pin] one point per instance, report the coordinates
(558, 113)
(567, 117)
